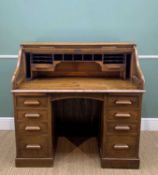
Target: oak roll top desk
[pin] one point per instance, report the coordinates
(108, 74)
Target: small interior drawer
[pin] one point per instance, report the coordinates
(123, 101)
(33, 147)
(121, 147)
(30, 128)
(42, 67)
(31, 102)
(32, 115)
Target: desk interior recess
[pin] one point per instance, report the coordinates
(110, 63)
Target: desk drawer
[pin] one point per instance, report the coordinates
(31, 102)
(122, 128)
(30, 128)
(123, 115)
(123, 101)
(32, 115)
(121, 147)
(33, 147)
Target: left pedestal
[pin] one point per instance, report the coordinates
(34, 134)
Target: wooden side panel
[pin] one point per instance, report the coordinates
(19, 74)
(136, 72)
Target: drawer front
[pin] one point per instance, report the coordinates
(30, 128)
(123, 115)
(121, 147)
(33, 147)
(31, 102)
(32, 115)
(123, 101)
(122, 128)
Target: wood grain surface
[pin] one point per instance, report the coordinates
(78, 84)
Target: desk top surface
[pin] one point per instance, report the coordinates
(77, 84)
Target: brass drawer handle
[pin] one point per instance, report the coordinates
(120, 146)
(32, 115)
(32, 128)
(122, 115)
(122, 128)
(123, 102)
(34, 146)
(31, 102)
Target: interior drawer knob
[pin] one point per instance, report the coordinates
(32, 128)
(31, 102)
(32, 115)
(123, 102)
(122, 115)
(120, 146)
(33, 146)
(122, 128)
